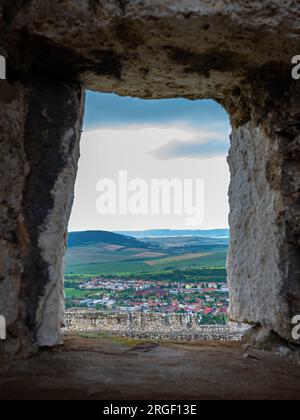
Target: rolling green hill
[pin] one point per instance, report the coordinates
(79, 239)
(105, 253)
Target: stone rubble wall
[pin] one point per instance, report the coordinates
(177, 327)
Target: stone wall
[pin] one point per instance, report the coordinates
(258, 257)
(40, 126)
(238, 53)
(176, 327)
(264, 257)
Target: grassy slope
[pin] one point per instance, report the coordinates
(108, 266)
(87, 238)
(100, 258)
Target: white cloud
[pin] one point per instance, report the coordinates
(201, 146)
(105, 152)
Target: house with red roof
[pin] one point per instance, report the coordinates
(208, 311)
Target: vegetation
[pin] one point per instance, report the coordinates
(176, 274)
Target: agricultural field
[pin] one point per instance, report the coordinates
(177, 274)
(151, 256)
(165, 274)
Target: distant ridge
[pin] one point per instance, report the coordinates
(94, 237)
(157, 233)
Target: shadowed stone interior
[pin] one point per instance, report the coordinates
(238, 53)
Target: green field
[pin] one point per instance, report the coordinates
(117, 267)
(119, 255)
(72, 293)
(109, 272)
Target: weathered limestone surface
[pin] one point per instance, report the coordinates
(40, 132)
(257, 261)
(236, 52)
(152, 48)
(264, 258)
(13, 170)
(101, 369)
(52, 135)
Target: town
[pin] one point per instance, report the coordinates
(209, 300)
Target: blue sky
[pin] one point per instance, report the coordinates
(172, 138)
(109, 109)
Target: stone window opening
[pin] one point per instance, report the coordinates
(195, 136)
(195, 52)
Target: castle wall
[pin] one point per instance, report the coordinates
(176, 327)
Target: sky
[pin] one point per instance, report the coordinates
(177, 140)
